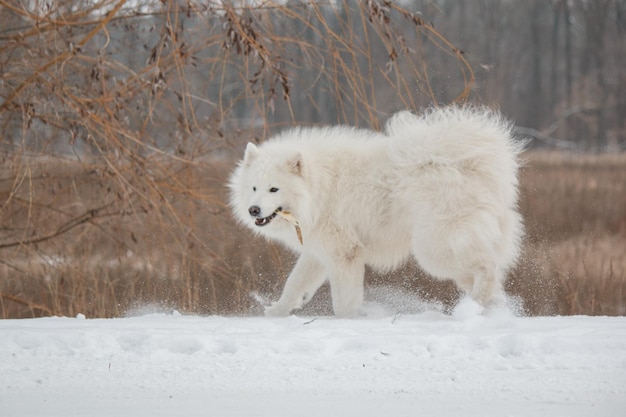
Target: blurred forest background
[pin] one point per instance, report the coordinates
(120, 121)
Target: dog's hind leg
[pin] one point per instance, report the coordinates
(487, 288)
(466, 284)
(302, 284)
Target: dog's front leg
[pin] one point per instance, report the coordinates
(305, 279)
(347, 287)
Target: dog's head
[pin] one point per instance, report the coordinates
(266, 182)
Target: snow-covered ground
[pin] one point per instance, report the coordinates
(423, 364)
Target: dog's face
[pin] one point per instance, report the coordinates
(263, 185)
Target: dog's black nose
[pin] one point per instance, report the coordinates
(254, 211)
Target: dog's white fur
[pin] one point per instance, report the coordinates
(441, 186)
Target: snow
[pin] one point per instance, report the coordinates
(428, 364)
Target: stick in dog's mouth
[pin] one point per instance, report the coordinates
(289, 217)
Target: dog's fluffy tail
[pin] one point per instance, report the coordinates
(476, 138)
(456, 131)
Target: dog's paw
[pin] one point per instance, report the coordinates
(277, 310)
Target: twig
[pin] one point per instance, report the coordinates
(86, 217)
(557, 143)
(61, 57)
(29, 304)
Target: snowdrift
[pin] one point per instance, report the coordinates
(418, 364)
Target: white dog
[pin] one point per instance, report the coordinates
(441, 186)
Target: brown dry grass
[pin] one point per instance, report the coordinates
(114, 263)
(575, 210)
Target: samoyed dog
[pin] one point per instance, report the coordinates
(441, 186)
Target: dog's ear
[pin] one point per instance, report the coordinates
(295, 164)
(251, 153)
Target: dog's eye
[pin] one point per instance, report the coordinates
(253, 188)
(273, 189)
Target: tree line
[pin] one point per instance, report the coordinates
(197, 77)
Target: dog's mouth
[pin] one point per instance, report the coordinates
(266, 220)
